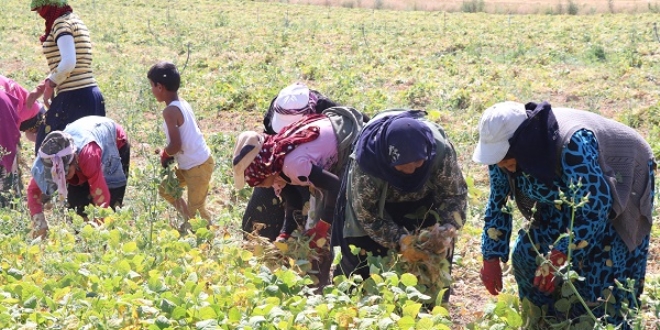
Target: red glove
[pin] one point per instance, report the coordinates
(165, 159)
(491, 275)
(545, 278)
(49, 90)
(282, 237)
(319, 235)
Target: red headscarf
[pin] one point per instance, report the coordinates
(270, 159)
(50, 14)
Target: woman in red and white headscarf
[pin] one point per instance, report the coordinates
(86, 163)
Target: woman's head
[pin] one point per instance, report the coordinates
(36, 4)
(291, 104)
(57, 153)
(398, 148)
(31, 125)
(407, 145)
(497, 125)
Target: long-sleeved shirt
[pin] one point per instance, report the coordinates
(579, 161)
(88, 170)
(448, 198)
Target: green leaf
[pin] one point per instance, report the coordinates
(206, 313)
(15, 273)
(234, 314)
(406, 322)
(162, 322)
(207, 325)
(30, 302)
(562, 305)
(179, 313)
(411, 310)
(129, 247)
(408, 279)
(513, 319)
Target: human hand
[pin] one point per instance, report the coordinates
(35, 94)
(319, 235)
(545, 278)
(438, 239)
(408, 250)
(491, 275)
(49, 90)
(165, 159)
(39, 226)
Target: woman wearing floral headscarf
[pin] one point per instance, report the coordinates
(85, 163)
(403, 176)
(265, 213)
(69, 91)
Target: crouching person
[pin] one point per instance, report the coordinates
(310, 152)
(16, 116)
(85, 163)
(403, 192)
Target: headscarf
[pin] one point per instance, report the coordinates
(50, 13)
(534, 144)
(270, 159)
(395, 140)
(57, 153)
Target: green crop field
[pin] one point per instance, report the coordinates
(135, 272)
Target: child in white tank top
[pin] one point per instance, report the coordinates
(185, 144)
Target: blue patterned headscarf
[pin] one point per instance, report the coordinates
(395, 140)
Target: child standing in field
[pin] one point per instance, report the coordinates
(185, 144)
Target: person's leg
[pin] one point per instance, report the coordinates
(264, 213)
(198, 180)
(178, 202)
(523, 260)
(117, 194)
(78, 198)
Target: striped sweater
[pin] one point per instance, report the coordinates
(82, 75)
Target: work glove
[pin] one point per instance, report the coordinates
(319, 235)
(39, 226)
(545, 278)
(408, 250)
(49, 91)
(165, 159)
(491, 275)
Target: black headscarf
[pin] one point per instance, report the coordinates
(396, 140)
(534, 144)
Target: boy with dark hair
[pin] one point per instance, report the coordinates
(185, 144)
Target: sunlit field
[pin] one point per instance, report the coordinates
(136, 272)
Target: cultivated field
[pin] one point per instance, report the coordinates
(135, 272)
(496, 6)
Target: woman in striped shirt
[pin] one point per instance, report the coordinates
(70, 90)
